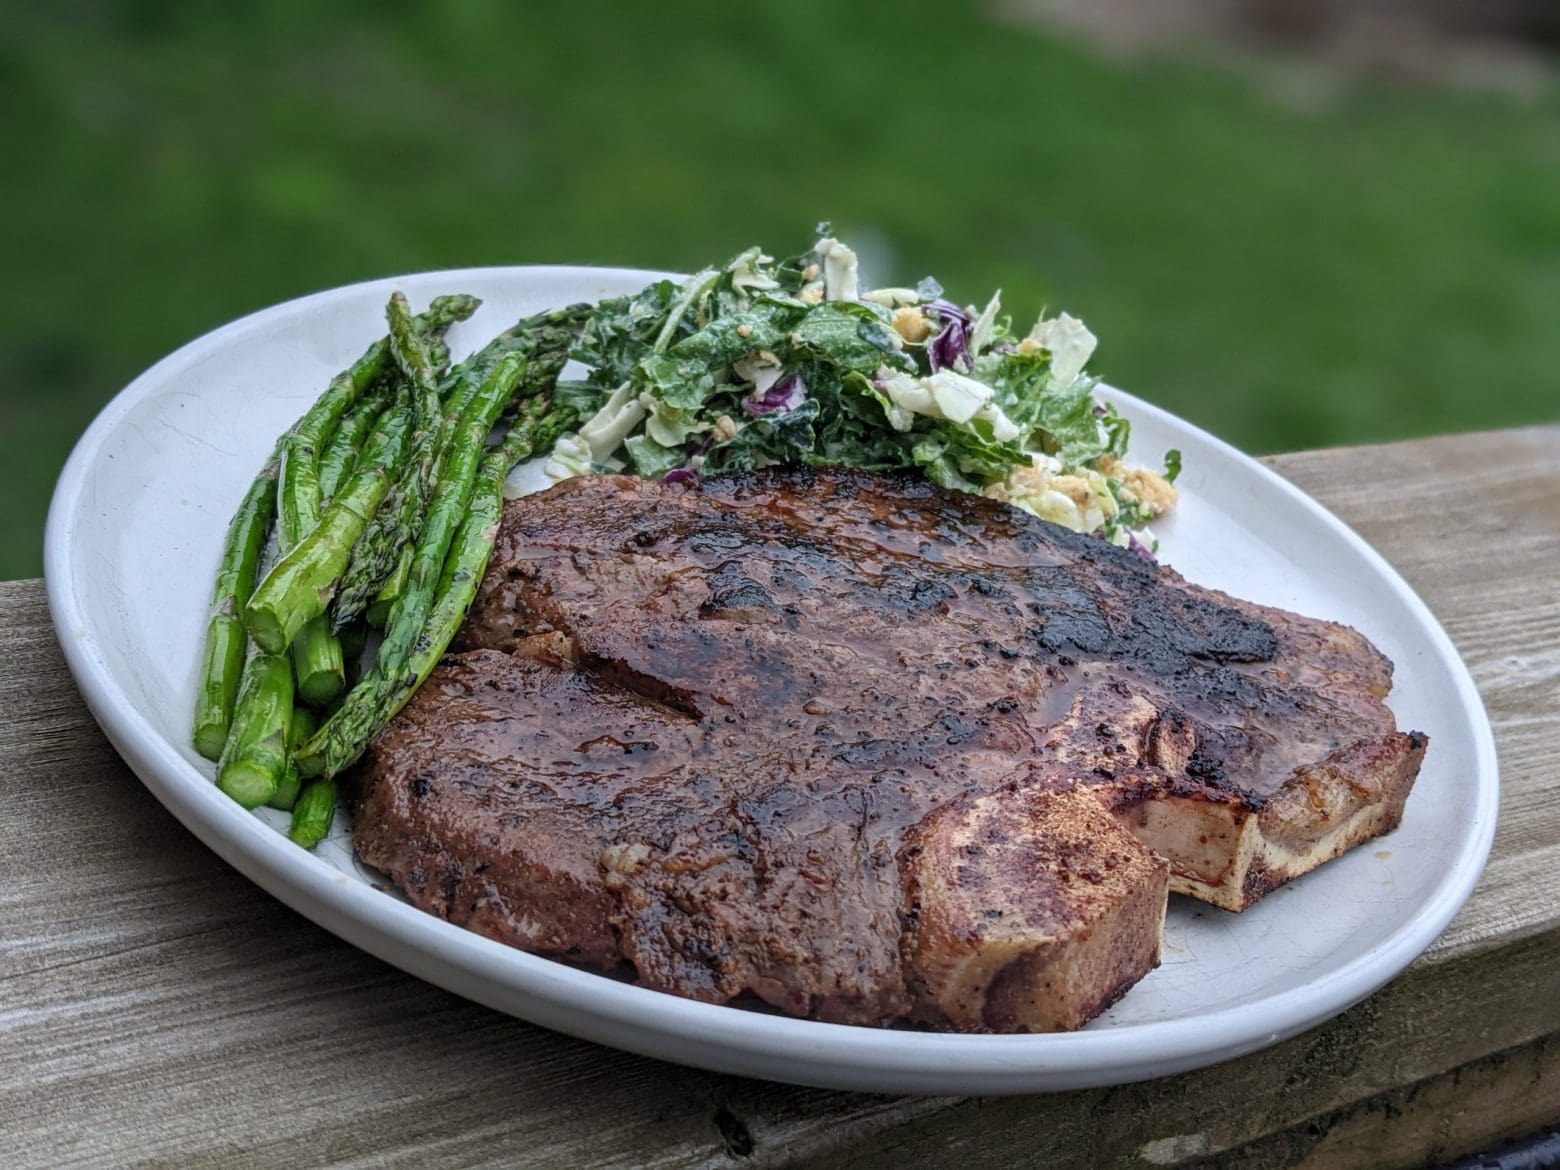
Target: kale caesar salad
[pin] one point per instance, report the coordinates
(766, 361)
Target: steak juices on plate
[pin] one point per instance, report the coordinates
(867, 749)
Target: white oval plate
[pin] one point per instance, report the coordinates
(133, 538)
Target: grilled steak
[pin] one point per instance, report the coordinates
(551, 809)
(866, 749)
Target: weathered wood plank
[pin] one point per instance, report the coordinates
(155, 1006)
(1439, 1017)
(1473, 523)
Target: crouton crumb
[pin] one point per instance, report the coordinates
(910, 324)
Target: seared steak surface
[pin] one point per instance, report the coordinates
(866, 749)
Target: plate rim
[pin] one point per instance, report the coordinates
(712, 1036)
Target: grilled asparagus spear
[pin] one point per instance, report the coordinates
(299, 729)
(313, 813)
(223, 657)
(223, 661)
(341, 452)
(375, 573)
(299, 586)
(255, 758)
(424, 620)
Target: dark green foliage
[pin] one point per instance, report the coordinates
(1381, 266)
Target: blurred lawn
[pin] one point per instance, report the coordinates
(1389, 267)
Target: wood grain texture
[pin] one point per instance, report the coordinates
(156, 1008)
(1473, 523)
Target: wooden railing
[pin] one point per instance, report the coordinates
(157, 1007)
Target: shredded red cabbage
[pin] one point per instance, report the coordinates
(786, 394)
(952, 342)
(1141, 549)
(681, 475)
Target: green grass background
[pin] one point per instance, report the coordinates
(1388, 266)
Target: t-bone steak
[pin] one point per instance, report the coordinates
(865, 749)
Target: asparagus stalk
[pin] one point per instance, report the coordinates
(551, 333)
(450, 498)
(453, 494)
(313, 813)
(300, 585)
(424, 621)
(336, 464)
(255, 758)
(300, 479)
(318, 663)
(376, 563)
(438, 354)
(354, 639)
(341, 452)
(400, 516)
(299, 728)
(379, 612)
(456, 402)
(316, 653)
(223, 660)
